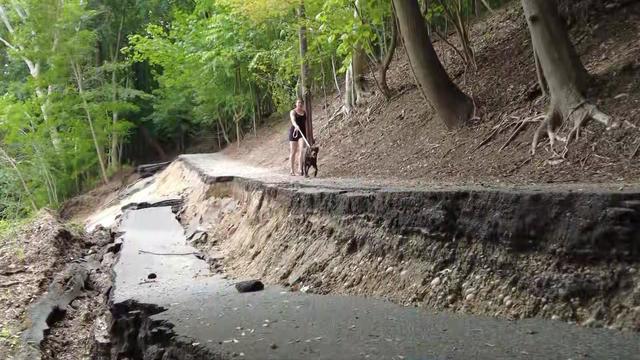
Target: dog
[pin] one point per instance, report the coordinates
(311, 160)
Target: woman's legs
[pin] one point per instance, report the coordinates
(301, 150)
(293, 154)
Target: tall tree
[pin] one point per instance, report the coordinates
(384, 66)
(561, 71)
(305, 73)
(451, 104)
(359, 61)
(20, 44)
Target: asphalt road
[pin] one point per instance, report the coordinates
(206, 311)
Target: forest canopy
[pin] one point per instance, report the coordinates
(86, 84)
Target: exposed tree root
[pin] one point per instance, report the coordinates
(518, 129)
(579, 115)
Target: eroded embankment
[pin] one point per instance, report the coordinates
(553, 254)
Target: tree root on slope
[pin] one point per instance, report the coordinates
(579, 115)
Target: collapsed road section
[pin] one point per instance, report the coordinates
(568, 252)
(168, 304)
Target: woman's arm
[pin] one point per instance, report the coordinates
(292, 116)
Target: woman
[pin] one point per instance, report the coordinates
(298, 119)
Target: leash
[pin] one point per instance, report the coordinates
(301, 134)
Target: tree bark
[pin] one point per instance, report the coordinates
(324, 91)
(224, 131)
(452, 106)
(560, 66)
(544, 87)
(335, 75)
(305, 74)
(384, 67)
(256, 108)
(349, 98)
(359, 63)
(114, 160)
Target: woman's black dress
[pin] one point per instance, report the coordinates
(301, 122)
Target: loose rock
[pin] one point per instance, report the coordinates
(249, 286)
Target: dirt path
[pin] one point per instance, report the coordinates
(218, 167)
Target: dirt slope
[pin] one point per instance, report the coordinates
(400, 139)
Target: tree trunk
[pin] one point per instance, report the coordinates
(486, 5)
(237, 121)
(324, 91)
(359, 64)
(451, 104)
(224, 132)
(113, 153)
(349, 98)
(335, 75)
(561, 68)
(454, 13)
(34, 71)
(256, 106)
(146, 134)
(78, 75)
(389, 57)
(114, 159)
(305, 74)
(544, 87)
(218, 136)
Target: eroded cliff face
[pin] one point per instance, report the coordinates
(548, 253)
(522, 253)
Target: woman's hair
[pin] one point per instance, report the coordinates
(300, 99)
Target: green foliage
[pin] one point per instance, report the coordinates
(47, 152)
(209, 62)
(77, 77)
